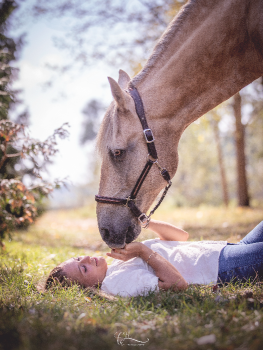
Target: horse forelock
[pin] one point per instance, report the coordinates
(109, 130)
(105, 131)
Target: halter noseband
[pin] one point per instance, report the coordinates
(152, 153)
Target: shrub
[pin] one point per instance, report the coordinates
(18, 203)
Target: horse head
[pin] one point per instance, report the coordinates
(123, 149)
(205, 56)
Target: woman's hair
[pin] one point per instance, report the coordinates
(56, 277)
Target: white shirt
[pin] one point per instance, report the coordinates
(197, 262)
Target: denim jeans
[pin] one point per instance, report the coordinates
(243, 261)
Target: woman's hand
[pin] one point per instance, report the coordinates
(131, 250)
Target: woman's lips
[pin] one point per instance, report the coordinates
(96, 261)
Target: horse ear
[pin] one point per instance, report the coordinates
(124, 79)
(117, 93)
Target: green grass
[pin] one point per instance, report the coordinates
(75, 319)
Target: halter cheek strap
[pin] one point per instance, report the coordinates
(152, 153)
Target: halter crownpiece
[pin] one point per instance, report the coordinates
(152, 158)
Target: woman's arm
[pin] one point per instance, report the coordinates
(168, 232)
(168, 275)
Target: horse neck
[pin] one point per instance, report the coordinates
(204, 57)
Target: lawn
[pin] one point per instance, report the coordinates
(202, 317)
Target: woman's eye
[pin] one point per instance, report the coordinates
(85, 269)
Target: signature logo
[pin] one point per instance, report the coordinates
(125, 339)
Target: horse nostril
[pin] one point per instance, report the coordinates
(129, 235)
(105, 234)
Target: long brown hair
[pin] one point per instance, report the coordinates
(56, 277)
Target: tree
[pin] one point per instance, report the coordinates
(92, 116)
(12, 165)
(9, 98)
(215, 121)
(18, 204)
(242, 187)
(252, 120)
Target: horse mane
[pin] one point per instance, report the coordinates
(174, 27)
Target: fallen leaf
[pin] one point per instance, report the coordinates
(206, 339)
(81, 316)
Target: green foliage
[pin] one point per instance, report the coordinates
(17, 202)
(7, 54)
(8, 96)
(16, 206)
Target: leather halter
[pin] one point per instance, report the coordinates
(152, 154)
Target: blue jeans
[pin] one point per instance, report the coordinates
(243, 261)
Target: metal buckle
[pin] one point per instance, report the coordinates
(149, 138)
(143, 219)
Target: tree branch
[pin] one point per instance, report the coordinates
(13, 155)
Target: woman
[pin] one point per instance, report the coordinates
(167, 262)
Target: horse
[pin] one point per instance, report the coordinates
(210, 50)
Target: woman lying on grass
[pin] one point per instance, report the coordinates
(166, 262)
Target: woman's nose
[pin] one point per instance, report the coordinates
(85, 259)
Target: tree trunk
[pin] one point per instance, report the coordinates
(221, 163)
(242, 190)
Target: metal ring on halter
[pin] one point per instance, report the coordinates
(128, 199)
(159, 166)
(156, 161)
(148, 158)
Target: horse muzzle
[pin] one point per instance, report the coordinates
(117, 228)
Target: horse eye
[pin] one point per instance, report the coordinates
(118, 153)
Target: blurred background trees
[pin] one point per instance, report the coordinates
(221, 154)
(9, 98)
(20, 154)
(92, 113)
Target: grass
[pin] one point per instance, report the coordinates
(231, 316)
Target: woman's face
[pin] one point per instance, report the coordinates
(85, 270)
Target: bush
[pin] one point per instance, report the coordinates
(18, 203)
